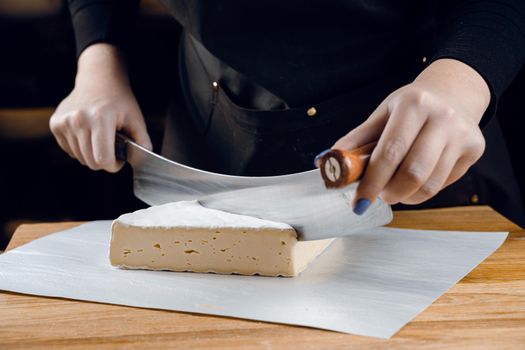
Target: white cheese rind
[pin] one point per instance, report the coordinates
(199, 239)
(191, 214)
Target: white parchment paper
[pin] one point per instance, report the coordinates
(368, 284)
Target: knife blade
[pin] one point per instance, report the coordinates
(300, 200)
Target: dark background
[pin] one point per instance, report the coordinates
(39, 182)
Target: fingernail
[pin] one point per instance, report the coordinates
(319, 156)
(361, 206)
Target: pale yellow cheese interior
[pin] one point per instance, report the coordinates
(185, 236)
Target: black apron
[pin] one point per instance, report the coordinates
(231, 125)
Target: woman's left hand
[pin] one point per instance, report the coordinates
(428, 135)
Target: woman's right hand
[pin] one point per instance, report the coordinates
(85, 122)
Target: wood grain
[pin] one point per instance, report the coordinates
(486, 310)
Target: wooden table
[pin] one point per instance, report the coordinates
(486, 310)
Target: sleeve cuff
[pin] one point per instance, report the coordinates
(108, 21)
(492, 42)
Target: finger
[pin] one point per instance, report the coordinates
(418, 164)
(74, 122)
(437, 180)
(462, 165)
(138, 132)
(56, 126)
(62, 142)
(86, 148)
(74, 147)
(401, 130)
(367, 132)
(103, 141)
(472, 152)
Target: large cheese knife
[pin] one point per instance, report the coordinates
(300, 200)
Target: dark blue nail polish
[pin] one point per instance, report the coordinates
(361, 206)
(319, 156)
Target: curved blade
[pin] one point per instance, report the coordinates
(300, 200)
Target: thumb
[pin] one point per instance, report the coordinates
(140, 135)
(370, 130)
(138, 132)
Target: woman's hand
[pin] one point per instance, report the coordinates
(428, 135)
(101, 103)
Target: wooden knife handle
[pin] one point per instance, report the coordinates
(340, 168)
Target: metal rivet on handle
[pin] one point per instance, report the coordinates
(332, 169)
(311, 111)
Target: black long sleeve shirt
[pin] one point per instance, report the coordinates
(305, 52)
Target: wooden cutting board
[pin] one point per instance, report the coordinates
(486, 310)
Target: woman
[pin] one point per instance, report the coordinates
(270, 84)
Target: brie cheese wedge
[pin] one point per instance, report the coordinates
(185, 236)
